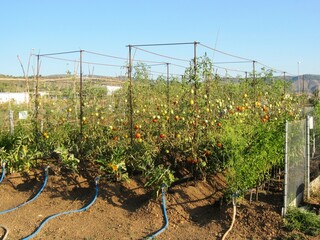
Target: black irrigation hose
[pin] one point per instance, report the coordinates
(32, 199)
(4, 236)
(64, 213)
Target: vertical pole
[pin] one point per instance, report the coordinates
(195, 72)
(168, 95)
(130, 96)
(195, 109)
(298, 77)
(36, 102)
(11, 124)
(195, 77)
(313, 142)
(246, 80)
(284, 82)
(303, 83)
(168, 87)
(254, 77)
(284, 210)
(81, 99)
(307, 163)
(208, 87)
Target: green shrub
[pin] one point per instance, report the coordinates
(303, 221)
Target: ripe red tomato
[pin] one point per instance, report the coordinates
(138, 135)
(162, 135)
(207, 153)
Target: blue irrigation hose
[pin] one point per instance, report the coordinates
(164, 214)
(64, 213)
(25, 203)
(3, 171)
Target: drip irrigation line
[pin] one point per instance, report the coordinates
(274, 69)
(61, 59)
(233, 216)
(101, 64)
(232, 62)
(161, 55)
(57, 53)
(3, 171)
(177, 65)
(162, 44)
(229, 69)
(65, 213)
(225, 53)
(164, 210)
(104, 64)
(93, 63)
(148, 61)
(163, 73)
(32, 199)
(105, 55)
(165, 63)
(157, 64)
(101, 54)
(235, 56)
(6, 231)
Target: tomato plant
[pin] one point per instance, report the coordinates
(198, 125)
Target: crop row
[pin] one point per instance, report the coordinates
(162, 130)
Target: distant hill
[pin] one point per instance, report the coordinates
(308, 83)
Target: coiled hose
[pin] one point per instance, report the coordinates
(3, 171)
(32, 199)
(164, 210)
(65, 213)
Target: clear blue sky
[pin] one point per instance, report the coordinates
(278, 33)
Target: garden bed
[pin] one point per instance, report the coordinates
(126, 210)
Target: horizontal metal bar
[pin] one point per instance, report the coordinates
(160, 44)
(59, 53)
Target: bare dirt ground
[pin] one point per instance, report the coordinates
(126, 210)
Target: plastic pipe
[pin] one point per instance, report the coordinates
(32, 199)
(65, 213)
(4, 236)
(233, 217)
(3, 170)
(164, 210)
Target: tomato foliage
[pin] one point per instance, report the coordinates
(199, 125)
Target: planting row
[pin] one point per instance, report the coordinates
(162, 130)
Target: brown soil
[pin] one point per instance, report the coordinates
(126, 210)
